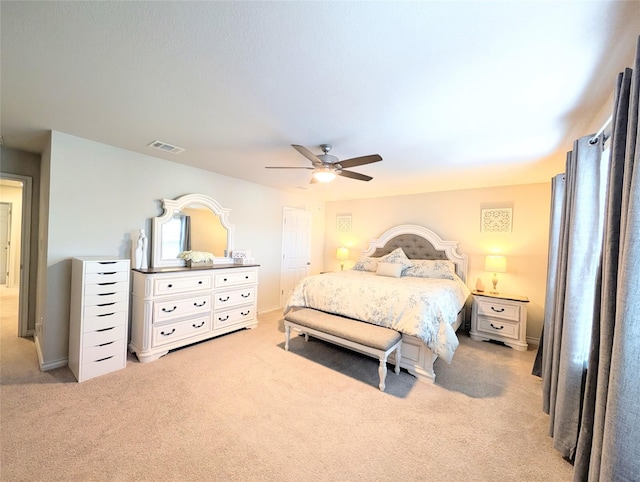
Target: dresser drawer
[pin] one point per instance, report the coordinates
(235, 278)
(233, 298)
(109, 287)
(92, 368)
(105, 298)
(106, 266)
(164, 334)
(498, 309)
(167, 286)
(101, 322)
(101, 352)
(172, 309)
(105, 308)
(230, 317)
(494, 326)
(104, 336)
(106, 277)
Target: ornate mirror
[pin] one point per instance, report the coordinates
(191, 222)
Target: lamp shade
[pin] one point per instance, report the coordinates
(324, 174)
(495, 264)
(342, 253)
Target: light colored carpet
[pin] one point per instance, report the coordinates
(239, 407)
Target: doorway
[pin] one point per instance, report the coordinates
(296, 249)
(15, 219)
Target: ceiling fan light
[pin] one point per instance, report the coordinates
(324, 175)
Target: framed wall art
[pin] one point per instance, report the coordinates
(496, 220)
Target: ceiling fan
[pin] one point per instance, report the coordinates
(326, 167)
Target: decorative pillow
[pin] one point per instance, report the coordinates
(396, 256)
(366, 263)
(393, 270)
(431, 268)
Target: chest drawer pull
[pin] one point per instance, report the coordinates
(497, 311)
(104, 359)
(245, 296)
(107, 304)
(169, 310)
(167, 334)
(107, 273)
(496, 327)
(106, 294)
(198, 326)
(108, 343)
(200, 304)
(106, 284)
(106, 329)
(223, 299)
(106, 314)
(245, 313)
(223, 319)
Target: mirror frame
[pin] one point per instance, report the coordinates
(174, 206)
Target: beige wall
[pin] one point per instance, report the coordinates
(455, 215)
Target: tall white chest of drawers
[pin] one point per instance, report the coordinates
(99, 314)
(175, 307)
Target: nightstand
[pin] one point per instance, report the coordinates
(500, 317)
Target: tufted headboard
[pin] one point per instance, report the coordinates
(418, 242)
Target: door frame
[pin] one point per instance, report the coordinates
(25, 246)
(286, 209)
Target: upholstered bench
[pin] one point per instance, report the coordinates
(372, 340)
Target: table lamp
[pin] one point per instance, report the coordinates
(495, 264)
(342, 254)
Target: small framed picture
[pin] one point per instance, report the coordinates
(343, 223)
(496, 220)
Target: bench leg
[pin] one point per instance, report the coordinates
(287, 334)
(398, 356)
(382, 371)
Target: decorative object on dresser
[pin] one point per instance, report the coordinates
(499, 317)
(197, 259)
(99, 315)
(495, 264)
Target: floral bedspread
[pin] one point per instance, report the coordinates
(423, 307)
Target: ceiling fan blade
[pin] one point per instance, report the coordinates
(359, 161)
(287, 167)
(306, 153)
(354, 175)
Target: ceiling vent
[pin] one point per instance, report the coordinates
(163, 146)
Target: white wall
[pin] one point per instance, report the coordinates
(455, 215)
(99, 196)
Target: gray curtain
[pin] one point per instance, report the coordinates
(571, 286)
(609, 439)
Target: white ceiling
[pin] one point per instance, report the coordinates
(451, 94)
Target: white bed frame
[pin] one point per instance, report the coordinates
(417, 357)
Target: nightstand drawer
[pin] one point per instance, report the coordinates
(494, 326)
(498, 309)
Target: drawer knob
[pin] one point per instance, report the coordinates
(200, 305)
(198, 326)
(497, 311)
(246, 277)
(169, 310)
(199, 282)
(223, 299)
(225, 279)
(496, 327)
(167, 334)
(223, 319)
(169, 286)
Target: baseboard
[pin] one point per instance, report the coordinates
(533, 341)
(269, 310)
(51, 365)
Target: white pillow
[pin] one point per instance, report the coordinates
(431, 268)
(366, 264)
(393, 270)
(396, 256)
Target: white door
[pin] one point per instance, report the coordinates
(5, 233)
(296, 249)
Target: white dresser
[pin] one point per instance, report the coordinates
(500, 317)
(99, 314)
(174, 307)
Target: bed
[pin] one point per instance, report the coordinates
(423, 299)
